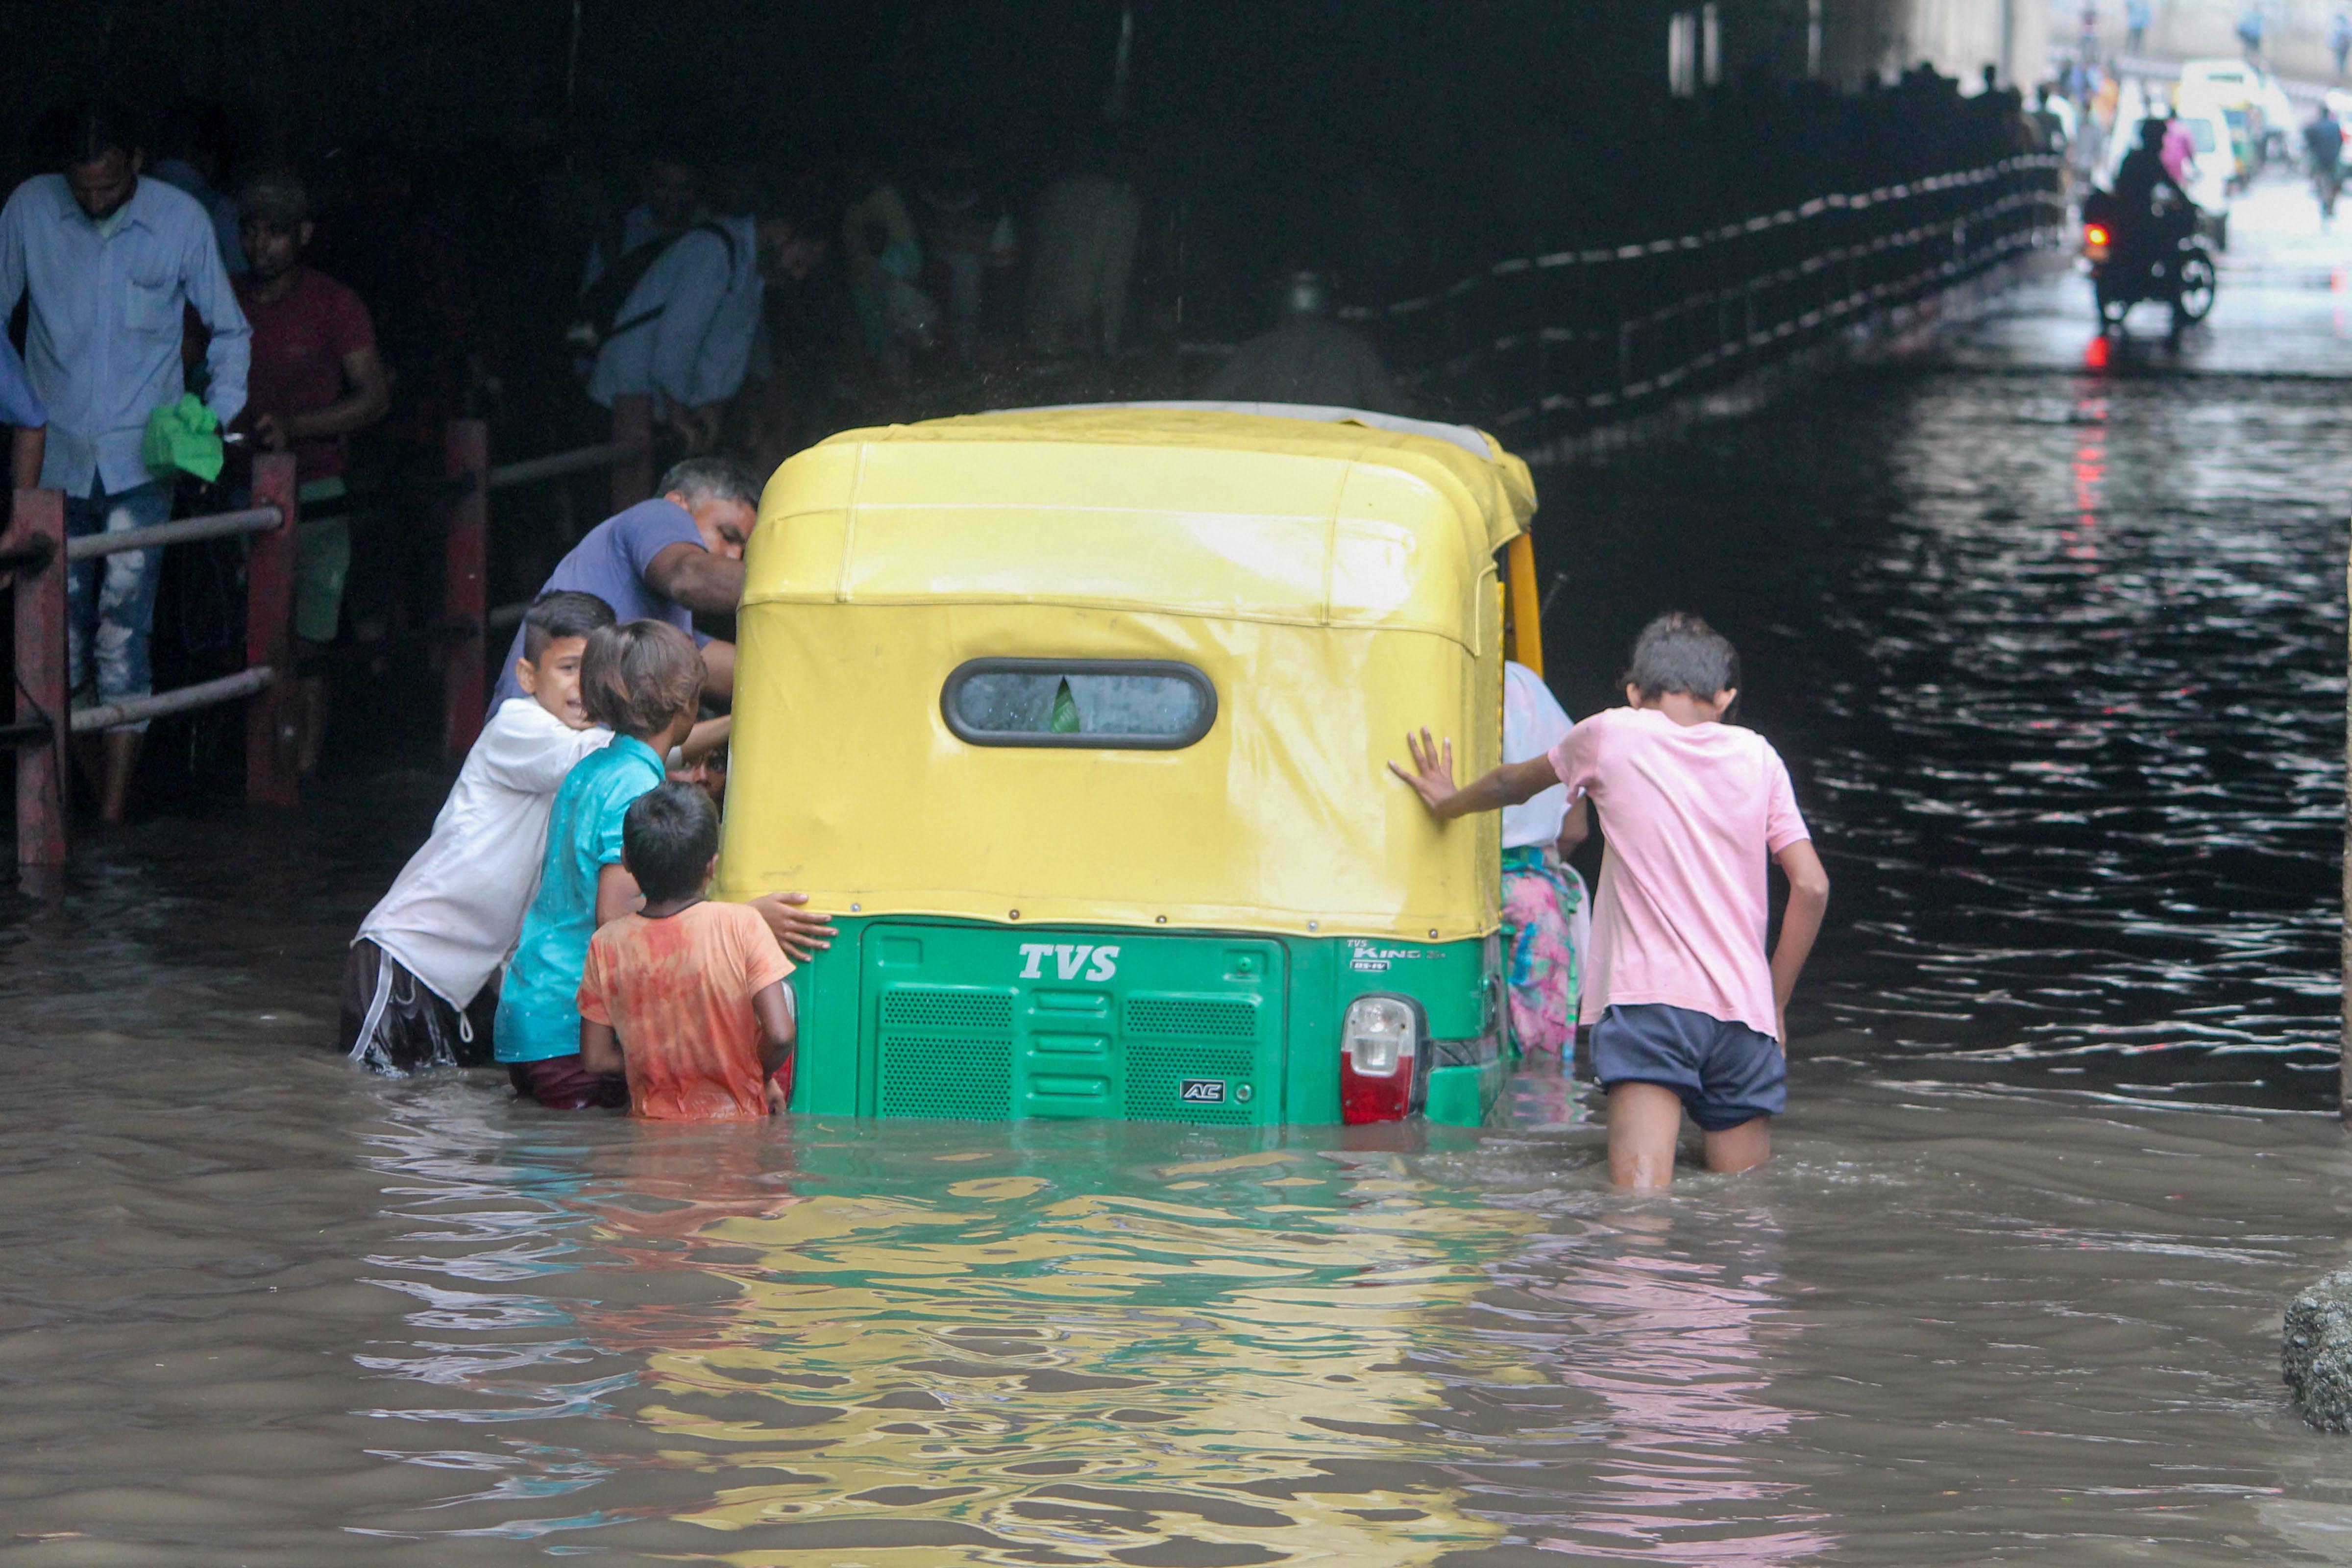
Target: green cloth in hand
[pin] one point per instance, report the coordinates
(183, 437)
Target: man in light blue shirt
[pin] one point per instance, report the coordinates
(110, 261)
(675, 339)
(28, 422)
(669, 191)
(682, 337)
(726, 354)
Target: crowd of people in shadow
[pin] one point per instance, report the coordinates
(750, 301)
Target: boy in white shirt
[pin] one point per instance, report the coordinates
(419, 988)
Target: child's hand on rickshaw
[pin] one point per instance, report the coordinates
(802, 932)
(1433, 768)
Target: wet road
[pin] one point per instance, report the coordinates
(2052, 632)
(2057, 652)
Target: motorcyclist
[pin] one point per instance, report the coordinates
(1309, 358)
(2139, 181)
(2142, 172)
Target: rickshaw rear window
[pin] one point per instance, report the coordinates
(1115, 704)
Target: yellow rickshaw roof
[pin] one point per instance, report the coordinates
(1265, 513)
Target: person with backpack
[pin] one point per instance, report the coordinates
(660, 311)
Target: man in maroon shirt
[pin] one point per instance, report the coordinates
(316, 378)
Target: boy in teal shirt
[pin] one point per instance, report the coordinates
(643, 680)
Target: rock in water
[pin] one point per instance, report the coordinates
(2315, 1358)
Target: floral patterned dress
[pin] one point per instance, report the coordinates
(1541, 901)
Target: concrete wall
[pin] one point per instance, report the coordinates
(300, 77)
(2295, 42)
(1958, 37)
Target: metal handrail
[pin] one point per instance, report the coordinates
(203, 694)
(1692, 317)
(555, 465)
(212, 525)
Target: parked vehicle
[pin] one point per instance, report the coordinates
(2248, 101)
(2231, 84)
(1074, 720)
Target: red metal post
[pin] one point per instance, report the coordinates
(41, 692)
(632, 426)
(270, 774)
(466, 520)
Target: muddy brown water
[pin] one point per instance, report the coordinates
(2058, 660)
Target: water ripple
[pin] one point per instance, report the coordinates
(2059, 666)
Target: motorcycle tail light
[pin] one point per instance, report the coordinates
(1380, 1040)
(2095, 241)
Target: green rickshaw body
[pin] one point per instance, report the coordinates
(984, 1022)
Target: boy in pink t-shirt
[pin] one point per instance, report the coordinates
(1684, 1011)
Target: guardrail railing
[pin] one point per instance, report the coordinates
(36, 549)
(1535, 346)
(467, 619)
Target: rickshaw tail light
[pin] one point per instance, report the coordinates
(1378, 1042)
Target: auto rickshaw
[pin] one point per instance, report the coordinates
(1076, 720)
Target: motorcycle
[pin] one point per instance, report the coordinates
(2168, 263)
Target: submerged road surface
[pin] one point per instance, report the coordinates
(2051, 628)
(2054, 641)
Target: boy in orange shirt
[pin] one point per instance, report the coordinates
(686, 996)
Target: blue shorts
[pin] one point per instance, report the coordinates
(1726, 1073)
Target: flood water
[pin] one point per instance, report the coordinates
(2056, 655)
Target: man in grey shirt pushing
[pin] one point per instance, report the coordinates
(665, 558)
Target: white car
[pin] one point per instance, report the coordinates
(2231, 82)
(2237, 84)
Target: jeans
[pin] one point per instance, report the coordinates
(107, 625)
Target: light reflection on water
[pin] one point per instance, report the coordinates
(258, 1308)
(1675, 1351)
(935, 1344)
(2058, 662)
